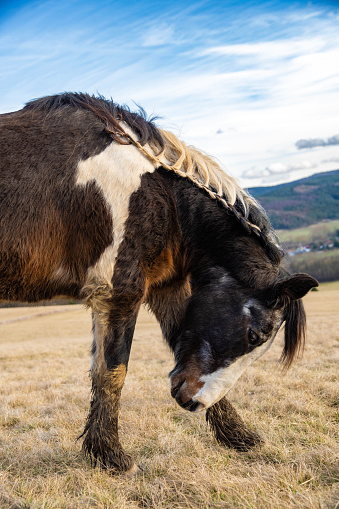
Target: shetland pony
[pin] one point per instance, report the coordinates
(97, 203)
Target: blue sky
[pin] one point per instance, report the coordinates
(243, 81)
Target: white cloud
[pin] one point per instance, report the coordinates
(159, 35)
(331, 160)
(256, 173)
(269, 50)
(278, 169)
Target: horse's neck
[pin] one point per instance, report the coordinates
(212, 237)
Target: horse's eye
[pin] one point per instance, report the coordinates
(253, 337)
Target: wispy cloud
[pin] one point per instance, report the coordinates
(159, 35)
(269, 50)
(317, 142)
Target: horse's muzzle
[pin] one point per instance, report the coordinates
(182, 393)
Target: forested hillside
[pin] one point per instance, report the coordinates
(302, 202)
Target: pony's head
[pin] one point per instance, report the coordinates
(226, 327)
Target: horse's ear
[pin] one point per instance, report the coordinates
(288, 293)
(294, 287)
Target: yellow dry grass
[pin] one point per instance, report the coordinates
(45, 397)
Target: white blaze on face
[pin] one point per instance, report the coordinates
(217, 384)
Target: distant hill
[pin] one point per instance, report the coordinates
(301, 203)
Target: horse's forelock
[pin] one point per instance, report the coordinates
(295, 332)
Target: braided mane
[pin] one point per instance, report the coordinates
(165, 150)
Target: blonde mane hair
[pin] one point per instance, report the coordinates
(189, 162)
(193, 164)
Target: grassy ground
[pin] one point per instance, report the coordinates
(44, 398)
(332, 285)
(314, 233)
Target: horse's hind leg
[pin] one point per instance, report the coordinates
(228, 427)
(113, 333)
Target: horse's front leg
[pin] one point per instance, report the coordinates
(113, 333)
(228, 427)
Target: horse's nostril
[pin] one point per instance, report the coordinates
(177, 388)
(174, 392)
(197, 407)
(191, 406)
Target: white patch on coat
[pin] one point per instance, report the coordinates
(249, 304)
(217, 384)
(117, 172)
(61, 274)
(98, 363)
(225, 278)
(247, 311)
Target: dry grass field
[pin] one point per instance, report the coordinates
(45, 396)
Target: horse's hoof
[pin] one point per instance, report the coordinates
(135, 470)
